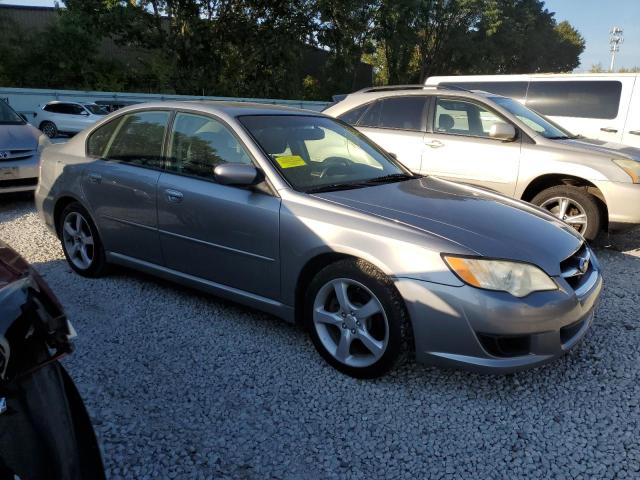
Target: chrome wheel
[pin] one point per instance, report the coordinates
(568, 210)
(350, 322)
(78, 240)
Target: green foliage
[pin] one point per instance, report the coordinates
(282, 48)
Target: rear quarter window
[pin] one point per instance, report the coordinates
(588, 99)
(99, 139)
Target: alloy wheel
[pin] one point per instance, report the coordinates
(568, 210)
(78, 240)
(350, 322)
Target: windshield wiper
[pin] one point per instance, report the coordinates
(565, 137)
(394, 177)
(332, 187)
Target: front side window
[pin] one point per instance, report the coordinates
(588, 99)
(538, 123)
(8, 116)
(199, 144)
(138, 139)
(459, 117)
(317, 154)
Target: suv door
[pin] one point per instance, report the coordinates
(460, 147)
(225, 234)
(398, 124)
(120, 184)
(631, 134)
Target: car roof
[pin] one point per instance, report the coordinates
(367, 95)
(65, 102)
(223, 108)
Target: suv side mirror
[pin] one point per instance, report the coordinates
(84, 113)
(502, 131)
(240, 174)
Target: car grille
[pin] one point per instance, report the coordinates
(16, 154)
(577, 269)
(21, 182)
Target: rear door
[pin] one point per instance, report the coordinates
(225, 234)
(398, 124)
(120, 184)
(595, 107)
(631, 135)
(459, 146)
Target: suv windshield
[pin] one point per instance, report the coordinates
(8, 116)
(96, 109)
(316, 154)
(533, 120)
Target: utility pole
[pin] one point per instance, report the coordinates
(615, 40)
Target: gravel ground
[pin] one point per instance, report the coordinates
(182, 385)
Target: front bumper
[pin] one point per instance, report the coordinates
(623, 203)
(19, 175)
(481, 330)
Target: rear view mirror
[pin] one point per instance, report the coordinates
(502, 131)
(240, 174)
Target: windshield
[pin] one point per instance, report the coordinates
(532, 119)
(8, 116)
(96, 109)
(317, 154)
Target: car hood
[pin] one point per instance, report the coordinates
(607, 148)
(488, 224)
(18, 137)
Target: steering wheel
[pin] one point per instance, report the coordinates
(335, 166)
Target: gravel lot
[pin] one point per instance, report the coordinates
(182, 385)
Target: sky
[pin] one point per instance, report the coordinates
(593, 18)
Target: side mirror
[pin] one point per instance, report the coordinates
(23, 117)
(393, 155)
(84, 113)
(240, 174)
(502, 131)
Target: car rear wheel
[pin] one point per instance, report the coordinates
(573, 205)
(49, 129)
(357, 320)
(80, 242)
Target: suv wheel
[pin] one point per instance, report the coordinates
(573, 205)
(356, 319)
(49, 129)
(80, 241)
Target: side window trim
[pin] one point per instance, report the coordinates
(477, 104)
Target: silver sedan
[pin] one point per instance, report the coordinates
(299, 215)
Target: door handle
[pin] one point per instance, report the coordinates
(173, 196)
(609, 130)
(95, 178)
(634, 132)
(434, 144)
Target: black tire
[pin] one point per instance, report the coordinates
(589, 204)
(49, 129)
(98, 265)
(399, 345)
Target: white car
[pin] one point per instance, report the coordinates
(67, 117)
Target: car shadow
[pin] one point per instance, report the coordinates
(620, 242)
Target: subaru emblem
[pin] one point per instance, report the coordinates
(583, 266)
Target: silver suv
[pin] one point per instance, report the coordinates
(497, 143)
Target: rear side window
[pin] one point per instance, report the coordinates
(139, 138)
(405, 113)
(54, 108)
(517, 90)
(352, 116)
(99, 139)
(589, 99)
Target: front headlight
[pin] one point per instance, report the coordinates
(631, 167)
(43, 141)
(519, 279)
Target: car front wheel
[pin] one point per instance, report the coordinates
(80, 241)
(357, 320)
(49, 129)
(575, 206)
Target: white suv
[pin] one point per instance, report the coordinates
(67, 117)
(498, 143)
